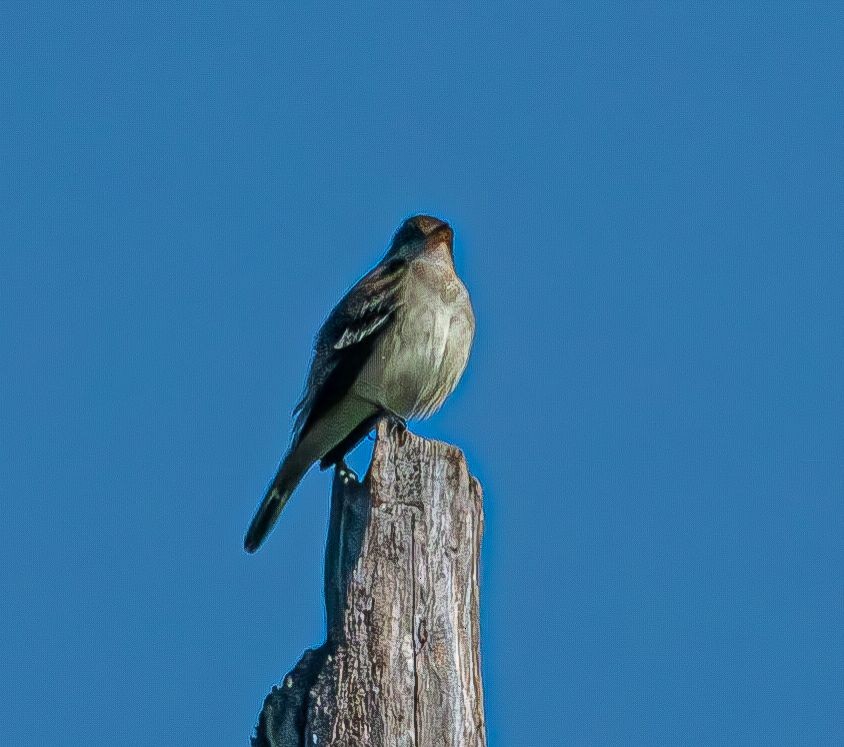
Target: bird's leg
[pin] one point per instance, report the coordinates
(396, 421)
(346, 472)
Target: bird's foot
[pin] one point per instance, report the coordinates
(346, 473)
(395, 422)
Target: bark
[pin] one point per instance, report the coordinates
(401, 663)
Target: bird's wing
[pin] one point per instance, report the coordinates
(345, 341)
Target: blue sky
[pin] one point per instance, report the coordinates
(647, 200)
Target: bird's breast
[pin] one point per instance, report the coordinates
(419, 360)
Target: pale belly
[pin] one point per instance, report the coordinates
(417, 363)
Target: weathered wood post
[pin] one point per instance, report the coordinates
(401, 663)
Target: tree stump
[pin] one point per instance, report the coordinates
(401, 662)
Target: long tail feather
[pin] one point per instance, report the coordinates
(265, 517)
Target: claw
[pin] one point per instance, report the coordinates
(396, 422)
(346, 473)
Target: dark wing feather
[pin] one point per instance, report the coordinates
(345, 341)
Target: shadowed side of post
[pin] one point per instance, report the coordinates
(401, 663)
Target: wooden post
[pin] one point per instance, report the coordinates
(401, 663)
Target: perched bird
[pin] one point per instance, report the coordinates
(395, 346)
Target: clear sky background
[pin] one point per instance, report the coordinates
(647, 201)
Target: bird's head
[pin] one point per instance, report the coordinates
(421, 233)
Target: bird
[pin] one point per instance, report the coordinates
(395, 346)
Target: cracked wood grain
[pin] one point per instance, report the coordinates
(401, 663)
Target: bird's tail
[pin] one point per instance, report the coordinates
(289, 474)
(317, 443)
(265, 517)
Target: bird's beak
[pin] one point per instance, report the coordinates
(440, 234)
